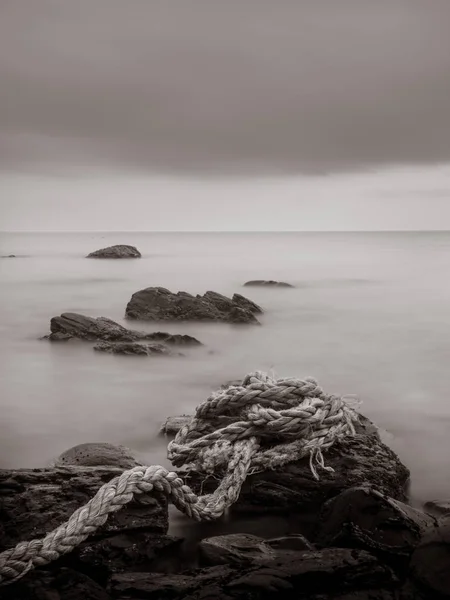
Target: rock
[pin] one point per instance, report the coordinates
(247, 304)
(64, 584)
(362, 460)
(267, 283)
(438, 508)
(328, 574)
(243, 549)
(157, 303)
(172, 425)
(36, 501)
(239, 549)
(153, 586)
(295, 541)
(96, 454)
(135, 348)
(361, 517)
(118, 251)
(9, 256)
(74, 325)
(430, 563)
(135, 551)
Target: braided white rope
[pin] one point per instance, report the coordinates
(262, 424)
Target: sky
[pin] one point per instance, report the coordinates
(297, 114)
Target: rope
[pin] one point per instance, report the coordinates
(259, 425)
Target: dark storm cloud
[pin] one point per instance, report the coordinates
(266, 86)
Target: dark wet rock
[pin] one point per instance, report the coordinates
(118, 251)
(35, 501)
(267, 283)
(136, 349)
(361, 517)
(438, 508)
(430, 563)
(135, 551)
(63, 584)
(157, 304)
(154, 586)
(295, 541)
(243, 549)
(329, 574)
(74, 325)
(362, 460)
(97, 454)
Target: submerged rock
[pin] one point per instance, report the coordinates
(267, 283)
(95, 454)
(118, 251)
(135, 349)
(243, 549)
(74, 325)
(160, 304)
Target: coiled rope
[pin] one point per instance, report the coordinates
(259, 425)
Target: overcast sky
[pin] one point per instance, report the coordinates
(153, 101)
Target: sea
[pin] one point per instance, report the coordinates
(369, 316)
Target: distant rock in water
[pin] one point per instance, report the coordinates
(73, 325)
(160, 304)
(97, 454)
(267, 283)
(9, 256)
(135, 348)
(119, 251)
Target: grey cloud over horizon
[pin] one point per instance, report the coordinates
(206, 86)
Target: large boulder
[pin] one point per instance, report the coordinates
(118, 251)
(73, 325)
(362, 517)
(267, 283)
(160, 304)
(359, 460)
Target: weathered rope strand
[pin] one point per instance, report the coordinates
(262, 424)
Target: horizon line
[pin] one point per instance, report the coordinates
(134, 231)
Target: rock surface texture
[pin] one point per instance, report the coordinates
(75, 326)
(352, 553)
(160, 304)
(135, 349)
(267, 283)
(118, 251)
(98, 454)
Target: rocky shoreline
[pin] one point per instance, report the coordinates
(355, 538)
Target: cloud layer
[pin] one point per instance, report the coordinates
(229, 86)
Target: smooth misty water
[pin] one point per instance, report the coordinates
(369, 316)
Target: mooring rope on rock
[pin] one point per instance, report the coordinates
(259, 425)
